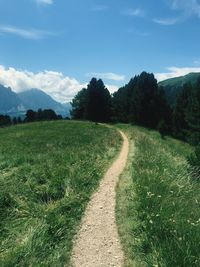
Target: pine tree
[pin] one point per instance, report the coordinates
(79, 105)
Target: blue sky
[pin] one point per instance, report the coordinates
(58, 45)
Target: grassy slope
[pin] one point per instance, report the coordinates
(47, 173)
(158, 203)
(180, 81)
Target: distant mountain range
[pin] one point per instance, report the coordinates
(173, 86)
(15, 104)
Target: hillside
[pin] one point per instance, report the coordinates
(43, 194)
(173, 86)
(180, 81)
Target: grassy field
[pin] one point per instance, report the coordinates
(48, 171)
(158, 203)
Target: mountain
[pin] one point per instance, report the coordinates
(36, 99)
(9, 101)
(15, 104)
(173, 86)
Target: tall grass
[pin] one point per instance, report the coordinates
(158, 203)
(48, 171)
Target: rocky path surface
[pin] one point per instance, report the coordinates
(97, 243)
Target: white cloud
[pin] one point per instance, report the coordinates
(27, 34)
(44, 2)
(175, 72)
(185, 9)
(188, 7)
(166, 21)
(107, 76)
(134, 12)
(112, 88)
(62, 88)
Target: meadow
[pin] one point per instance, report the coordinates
(48, 171)
(158, 200)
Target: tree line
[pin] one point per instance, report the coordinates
(142, 102)
(30, 116)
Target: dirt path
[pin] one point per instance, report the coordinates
(97, 243)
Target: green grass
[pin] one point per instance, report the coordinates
(48, 171)
(158, 203)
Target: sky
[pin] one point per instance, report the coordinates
(59, 45)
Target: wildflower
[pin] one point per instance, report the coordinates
(149, 194)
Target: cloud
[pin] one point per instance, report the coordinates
(175, 72)
(107, 76)
(166, 21)
(185, 9)
(188, 7)
(62, 88)
(134, 12)
(44, 2)
(27, 34)
(112, 88)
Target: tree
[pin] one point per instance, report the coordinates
(5, 120)
(179, 115)
(30, 116)
(79, 105)
(41, 115)
(187, 114)
(192, 116)
(93, 103)
(121, 102)
(99, 101)
(141, 102)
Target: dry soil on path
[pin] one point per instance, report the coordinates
(97, 243)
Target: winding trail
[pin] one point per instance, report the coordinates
(97, 243)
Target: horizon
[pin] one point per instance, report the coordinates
(61, 46)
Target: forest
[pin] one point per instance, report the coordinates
(142, 102)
